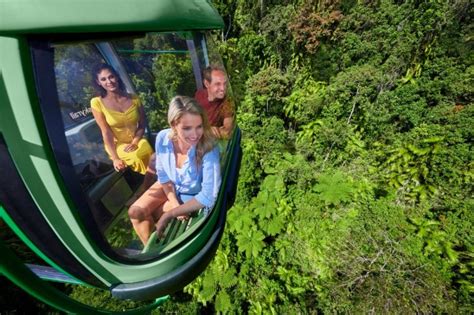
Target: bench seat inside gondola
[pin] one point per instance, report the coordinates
(110, 197)
(173, 233)
(176, 232)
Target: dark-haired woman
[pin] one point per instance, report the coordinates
(121, 119)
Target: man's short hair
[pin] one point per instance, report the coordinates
(207, 73)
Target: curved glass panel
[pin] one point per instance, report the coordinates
(154, 67)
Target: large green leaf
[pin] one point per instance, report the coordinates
(250, 242)
(334, 188)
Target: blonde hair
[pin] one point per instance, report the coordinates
(181, 105)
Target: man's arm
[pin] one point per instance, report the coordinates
(225, 131)
(227, 127)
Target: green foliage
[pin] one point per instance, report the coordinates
(74, 77)
(250, 242)
(170, 73)
(156, 114)
(101, 299)
(305, 101)
(266, 91)
(319, 139)
(366, 255)
(334, 188)
(261, 138)
(264, 217)
(355, 191)
(409, 168)
(254, 49)
(274, 27)
(356, 182)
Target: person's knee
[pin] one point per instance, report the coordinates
(137, 213)
(167, 206)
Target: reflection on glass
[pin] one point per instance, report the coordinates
(155, 67)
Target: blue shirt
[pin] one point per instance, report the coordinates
(203, 181)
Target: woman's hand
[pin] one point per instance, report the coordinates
(183, 217)
(174, 204)
(170, 205)
(130, 147)
(162, 223)
(119, 165)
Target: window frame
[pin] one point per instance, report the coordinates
(42, 55)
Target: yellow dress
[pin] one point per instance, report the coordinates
(123, 126)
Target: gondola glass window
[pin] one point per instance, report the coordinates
(155, 67)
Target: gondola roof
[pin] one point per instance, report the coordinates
(88, 16)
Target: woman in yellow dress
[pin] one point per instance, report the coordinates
(121, 119)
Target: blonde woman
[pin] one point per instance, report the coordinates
(188, 169)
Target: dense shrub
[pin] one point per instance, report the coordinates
(355, 193)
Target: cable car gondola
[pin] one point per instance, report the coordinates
(58, 191)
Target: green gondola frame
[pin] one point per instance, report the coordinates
(38, 207)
